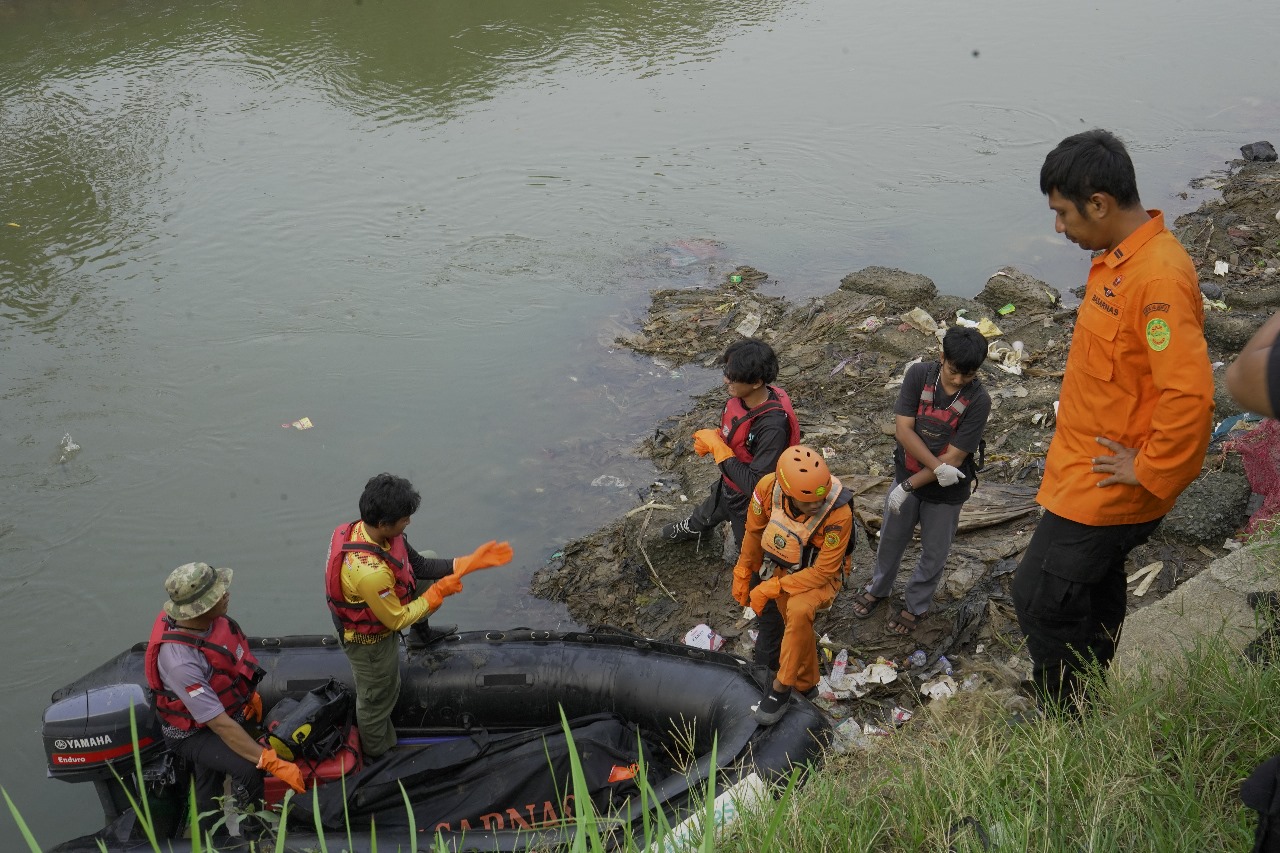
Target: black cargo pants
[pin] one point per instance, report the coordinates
(1069, 592)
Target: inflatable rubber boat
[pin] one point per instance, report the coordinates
(476, 766)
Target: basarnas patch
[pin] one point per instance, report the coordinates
(1158, 334)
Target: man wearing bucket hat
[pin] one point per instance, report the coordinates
(203, 678)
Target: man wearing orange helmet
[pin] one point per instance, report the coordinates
(795, 552)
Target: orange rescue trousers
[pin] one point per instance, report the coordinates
(798, 660)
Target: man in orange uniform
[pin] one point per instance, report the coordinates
(795, 551)
(1134, 417)
(371, 584)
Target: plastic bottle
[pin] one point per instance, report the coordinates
(837, 668)
(918, 658)
(945, 664)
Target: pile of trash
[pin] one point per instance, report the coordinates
(1235, 243)
(870, 698)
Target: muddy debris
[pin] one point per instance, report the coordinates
(842, 358)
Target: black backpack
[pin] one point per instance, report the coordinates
(313, 727)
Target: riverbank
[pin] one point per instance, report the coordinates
(842, 356)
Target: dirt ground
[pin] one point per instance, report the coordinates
(842, 356)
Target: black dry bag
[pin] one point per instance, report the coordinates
(313, 727)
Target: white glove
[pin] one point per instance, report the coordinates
(896, 497)
(948, 475)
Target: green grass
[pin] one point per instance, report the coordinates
(1156, 766)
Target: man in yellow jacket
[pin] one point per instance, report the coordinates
(1134, 417)
(376, 585)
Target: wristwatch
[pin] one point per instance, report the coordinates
(907, 487)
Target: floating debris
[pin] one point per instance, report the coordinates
(608, 481)
(67, 449)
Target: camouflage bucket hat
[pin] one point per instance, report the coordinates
(194, 589)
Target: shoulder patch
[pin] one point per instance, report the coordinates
(1159, 334)
(832, 539)
(1155, 306)
(756, 508)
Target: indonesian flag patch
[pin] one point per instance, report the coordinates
(194, 690)
(385, 592)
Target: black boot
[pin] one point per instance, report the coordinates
(772, 707)
(422, 634)
(680, 531)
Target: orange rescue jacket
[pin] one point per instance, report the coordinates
(831, 539)
(1137, 373)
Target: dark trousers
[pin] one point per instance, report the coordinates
(723, 504)
(769, 627)
(1069, 592)
(768, 649)
(211, 760)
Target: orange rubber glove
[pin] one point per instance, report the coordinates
(253, 708)
(490, 554)
(741, 585)
(442, 589)
(709, 441)
(765, 592)
(700, 446)
(285, 771)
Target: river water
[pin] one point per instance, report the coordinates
(421, 226)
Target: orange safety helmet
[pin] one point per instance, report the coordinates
(804, 474)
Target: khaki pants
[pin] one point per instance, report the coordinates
(377, 672)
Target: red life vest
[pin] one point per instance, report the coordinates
(936, 427)
(358, 617)
(736, 416)
(235, 670)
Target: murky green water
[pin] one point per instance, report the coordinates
(421, 225)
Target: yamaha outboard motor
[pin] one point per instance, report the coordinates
(87, 738)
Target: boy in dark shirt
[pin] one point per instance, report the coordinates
(757, 424)
(940, 414)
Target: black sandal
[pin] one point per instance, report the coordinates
(906, 623)
(865, 604)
